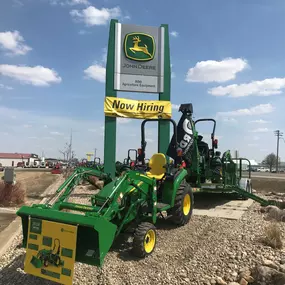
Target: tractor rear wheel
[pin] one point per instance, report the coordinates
(144, 240)
(183, 206)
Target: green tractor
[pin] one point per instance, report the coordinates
(130, 203)
(207, 170)
(48, 257)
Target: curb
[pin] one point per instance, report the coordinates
(8, 235)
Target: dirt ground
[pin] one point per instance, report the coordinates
(268, 185)
(35, 184)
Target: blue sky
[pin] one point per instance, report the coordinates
(227, 60)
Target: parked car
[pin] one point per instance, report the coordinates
(263, 169)
(21, 164)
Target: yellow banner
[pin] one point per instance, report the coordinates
(51, 250)
(137, 109)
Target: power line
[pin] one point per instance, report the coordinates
(278, 134)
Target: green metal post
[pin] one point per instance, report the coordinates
(164, 127)
(110, 122)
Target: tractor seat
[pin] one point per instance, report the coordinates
(157, 166)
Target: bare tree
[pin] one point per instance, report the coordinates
(67, 152)
(270, 160)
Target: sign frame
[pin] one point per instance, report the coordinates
(110, 91)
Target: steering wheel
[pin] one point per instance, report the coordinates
(143, 168)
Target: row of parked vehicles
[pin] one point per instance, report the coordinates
(266, 169)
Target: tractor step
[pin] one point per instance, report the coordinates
(162, 206)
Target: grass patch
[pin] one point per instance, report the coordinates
(12, 195)
(273, 236)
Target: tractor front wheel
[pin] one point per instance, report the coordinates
(144, 240)
(183, 207)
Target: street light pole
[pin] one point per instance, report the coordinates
(278, 134)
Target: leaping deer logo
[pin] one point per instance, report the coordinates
(136, 47)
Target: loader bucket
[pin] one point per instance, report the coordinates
(93, 235)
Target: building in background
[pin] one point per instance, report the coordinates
(18, 159)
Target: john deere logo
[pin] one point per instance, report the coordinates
(139, 47)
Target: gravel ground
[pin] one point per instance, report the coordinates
(206, 251)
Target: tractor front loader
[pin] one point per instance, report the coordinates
(129, 203)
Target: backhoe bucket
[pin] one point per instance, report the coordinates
(52, 236)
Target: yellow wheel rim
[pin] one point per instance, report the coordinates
(186, 204)
(149, 241)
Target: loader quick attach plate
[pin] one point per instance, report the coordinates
(51, 250)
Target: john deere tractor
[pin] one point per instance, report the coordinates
(207, 170)
(129, 203)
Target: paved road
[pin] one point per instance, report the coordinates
(279, 176)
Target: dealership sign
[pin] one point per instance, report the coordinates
(139, 58)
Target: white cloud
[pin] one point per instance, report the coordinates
(17, 3)
(96, 72)
(266, 87)
(78, 2)
(123, 120)
(256, 110)
(256, 138)
(37, 75)
(175, 107)
(229, 120)
(83, 32)
(173, 75)
(260, 130)
(216, 71)
(2, 86)
(104, 55)
(14, 43)
(92, 130)
(260, 121)
(174, 34)
(127, 17)
(56, 133)
(252, 144)
(68, 2)
(92, 16)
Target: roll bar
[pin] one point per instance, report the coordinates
(143, 141)
(214, 129)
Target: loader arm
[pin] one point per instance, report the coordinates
(115, 206)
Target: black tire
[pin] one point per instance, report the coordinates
(144, 232)
(178, 215)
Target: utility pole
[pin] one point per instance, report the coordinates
(278, 134)
(70, 145)
(95, 150)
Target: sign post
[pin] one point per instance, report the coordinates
(138, 60)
